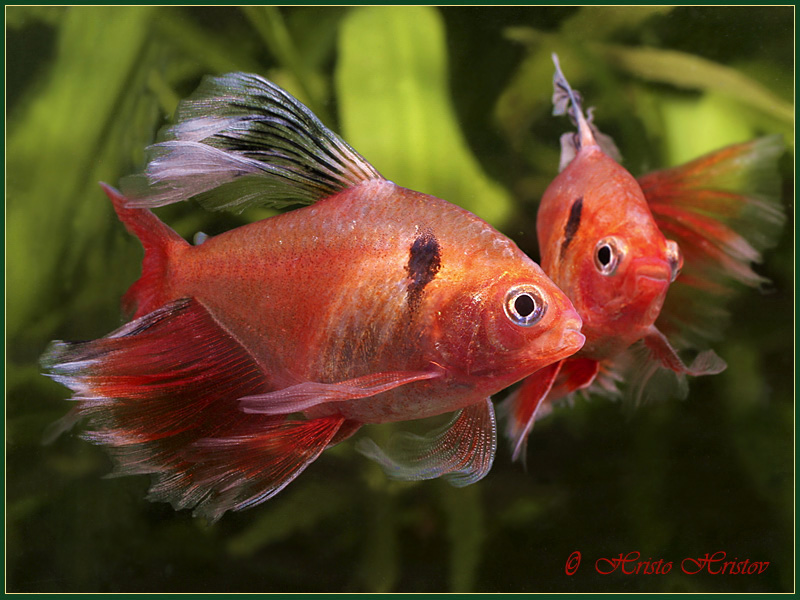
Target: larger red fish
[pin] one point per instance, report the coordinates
(602, 239)
(253, 351)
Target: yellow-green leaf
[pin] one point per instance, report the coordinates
(694, 127)
(693, 72)
(57, 144)
(599, 22)
(396, 109)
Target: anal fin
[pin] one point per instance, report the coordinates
(161, 393)
(242, 470)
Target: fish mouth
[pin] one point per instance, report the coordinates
(572, 340)
(659, 271)
(568, 343)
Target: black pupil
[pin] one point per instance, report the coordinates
(524, 305)
(604, 254)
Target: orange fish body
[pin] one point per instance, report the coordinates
(600, 244)
(601, 241)
(326, 294)
(253, 351)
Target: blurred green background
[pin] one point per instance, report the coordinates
(450, 101)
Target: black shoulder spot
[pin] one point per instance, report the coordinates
(573, 222)
(424, 261)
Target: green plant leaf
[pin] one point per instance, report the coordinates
(54, 207)
(696, 73)
(269, 23)
(307, 506)
(599, 22)
(19, 16)
(465, 527)
(714, 122)
(396, 110)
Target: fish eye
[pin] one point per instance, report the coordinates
(607, 255)
(675, 259)
(524, 305)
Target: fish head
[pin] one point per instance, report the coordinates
(600, 244)
(503, 328)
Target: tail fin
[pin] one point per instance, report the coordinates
(162, 394)
(239, 141)
(723, 209)
(158, 240)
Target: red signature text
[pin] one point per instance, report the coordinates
(629, 564)
(717, 565)
(714, 564)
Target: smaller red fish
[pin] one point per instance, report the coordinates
(602, 239)
(253, 351)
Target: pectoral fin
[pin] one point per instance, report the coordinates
(462, 451)
(309, 393)
(646, 368)
(705, 363)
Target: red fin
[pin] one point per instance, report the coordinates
(246, 467)
(722, 209)
(653, 370)
(534, 398)
(576, 374)
(162, 393)
(705, 363)
(521, 406)
(462, 451)
(158, 240)
(606, 382)
(304, 395)
(569, 101)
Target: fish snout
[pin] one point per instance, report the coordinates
(654, 269)
(649, 287)
(572, 339)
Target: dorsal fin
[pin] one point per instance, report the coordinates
(241, 141)
(568, 101)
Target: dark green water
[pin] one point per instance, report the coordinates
(453, 102)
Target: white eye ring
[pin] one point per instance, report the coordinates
(524, 305)
(607, 255)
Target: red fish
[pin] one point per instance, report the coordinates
(252, 352)
(602, 239)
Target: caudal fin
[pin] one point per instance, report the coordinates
(162, 394)
(159, 242)
(240, 141)
(723, 210)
